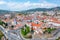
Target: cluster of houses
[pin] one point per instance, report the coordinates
(36, 21)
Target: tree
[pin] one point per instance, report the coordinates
(1, 23)
(25, 30)
(12, 26)
(45, 14)
(49, 30)
(6, 24)
(1, 34)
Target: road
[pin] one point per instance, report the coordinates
(3, 30)
(10, 35)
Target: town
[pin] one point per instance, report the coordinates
(36, 26)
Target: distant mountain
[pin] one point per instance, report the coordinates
(8, 12)
(4, 12)
(30, 10)
(44, 9)
(56, 8)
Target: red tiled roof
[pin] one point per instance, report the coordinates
(37, 25)
(55, 20)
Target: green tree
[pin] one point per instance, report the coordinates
(49, 30)
(1, 34)
(25, 30)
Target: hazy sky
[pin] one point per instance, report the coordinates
(18, 5)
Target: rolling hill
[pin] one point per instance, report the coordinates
(30, 10)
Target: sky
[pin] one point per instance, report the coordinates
(19, 5)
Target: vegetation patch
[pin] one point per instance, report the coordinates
(1, 35)
(26, 32)
(49, 30)
(58, 38)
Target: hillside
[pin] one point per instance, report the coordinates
(30, 10)
(44, 9)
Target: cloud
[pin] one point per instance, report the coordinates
(27, 5)
(47, 5)
(2, 2)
